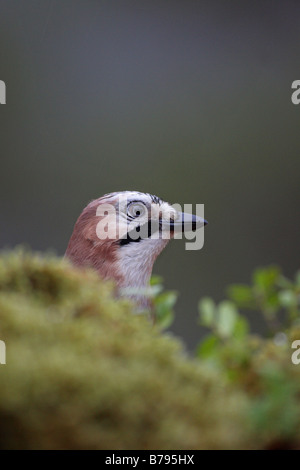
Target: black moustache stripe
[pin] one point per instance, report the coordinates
(145, 230)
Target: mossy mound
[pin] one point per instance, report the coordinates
(82, 371)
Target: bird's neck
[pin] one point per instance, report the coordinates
(136, 263)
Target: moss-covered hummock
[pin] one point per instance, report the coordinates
(82, 371)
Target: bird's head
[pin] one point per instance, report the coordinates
(122, 233)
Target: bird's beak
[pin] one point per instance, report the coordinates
(185, 223)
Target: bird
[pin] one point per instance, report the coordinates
(121, 234)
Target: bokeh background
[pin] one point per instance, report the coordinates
(187, 100)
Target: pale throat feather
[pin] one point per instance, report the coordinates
(135, 261)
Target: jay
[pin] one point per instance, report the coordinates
(121, 234)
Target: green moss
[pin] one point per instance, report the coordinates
(82, 371)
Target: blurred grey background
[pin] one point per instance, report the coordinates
(187, 100)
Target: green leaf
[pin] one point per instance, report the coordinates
(241, 328)
(266, 277)
(164, 318)
(207, 312)
(167, 299)
(227, 317)
(155, 279)
(272, 301)
(155, 290)
(284, 283)
(208, 347)
(287, 298)
(241, 294)
(163, 305)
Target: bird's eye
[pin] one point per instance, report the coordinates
(136, 209)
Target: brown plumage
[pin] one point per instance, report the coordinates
(85, 248)
(122, 258)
